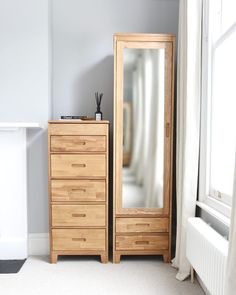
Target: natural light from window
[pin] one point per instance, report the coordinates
(223, 116)
(218, 134)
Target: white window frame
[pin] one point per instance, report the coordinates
(218, 202)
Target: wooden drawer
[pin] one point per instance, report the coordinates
(78, 143)
(78, 215)
(70, 166)
(142, 242)
(127, 225)
(78, 239)
(78, 190)
(78, 129)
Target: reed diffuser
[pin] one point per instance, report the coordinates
(98, 98)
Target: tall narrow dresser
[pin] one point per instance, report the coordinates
(78, 188)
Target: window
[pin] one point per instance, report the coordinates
(218, 115)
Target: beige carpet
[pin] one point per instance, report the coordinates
(87, 276)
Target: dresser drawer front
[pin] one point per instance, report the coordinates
(69, 166)
(78, 215)
(142, 242)
(78, 143)
(78, 239)
(128, 225)
(78, 129)
(78, 190)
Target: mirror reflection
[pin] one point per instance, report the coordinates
(143, 128)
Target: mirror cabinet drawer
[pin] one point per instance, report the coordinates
(78, 190)
(78, 239)
(142, 242)
(78, 215)
(70, 166)
(78, 143)
(128, 225)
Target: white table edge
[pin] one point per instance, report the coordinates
(16, 125)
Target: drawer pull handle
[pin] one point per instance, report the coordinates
(81, 143)
(78, 215)
(78, 165)
(78, 239)
(167, 129)
(142, 242)
(142, 224)
(78, 190)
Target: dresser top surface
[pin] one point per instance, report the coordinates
(73, 121)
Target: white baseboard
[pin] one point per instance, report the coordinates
(38, 244)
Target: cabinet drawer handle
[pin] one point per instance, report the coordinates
(78, 215)
(78, 165)
(81, 143)
(142, 242)
(142, 224)
(167, 129)
(78, 239)
(78, 190)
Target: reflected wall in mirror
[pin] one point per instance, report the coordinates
(143, 127)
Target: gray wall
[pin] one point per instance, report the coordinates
(24, 61)
(25, 90)
(83, 46)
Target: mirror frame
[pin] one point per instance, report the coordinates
(147, 41)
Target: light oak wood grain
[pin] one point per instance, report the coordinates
(78, 215)
(129, 225)
(53, 257)
(142, 242)
(78, 190)
(76, 143)
(139, 37)
(79, 239)
(54, 254)
(78, 165)
(118, 128)
(80, 129)
(78, 121)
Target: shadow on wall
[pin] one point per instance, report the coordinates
(99, 78)
(37, 169)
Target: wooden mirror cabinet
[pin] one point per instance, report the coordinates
(143, 140)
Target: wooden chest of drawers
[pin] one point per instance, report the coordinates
(78, 188)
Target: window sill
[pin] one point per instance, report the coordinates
(221, 217)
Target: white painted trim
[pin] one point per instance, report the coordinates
(19, 125)
(38, 244)
(215, 213)
(204, 176)
(207, 195)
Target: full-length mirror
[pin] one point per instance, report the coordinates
(143, 127)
